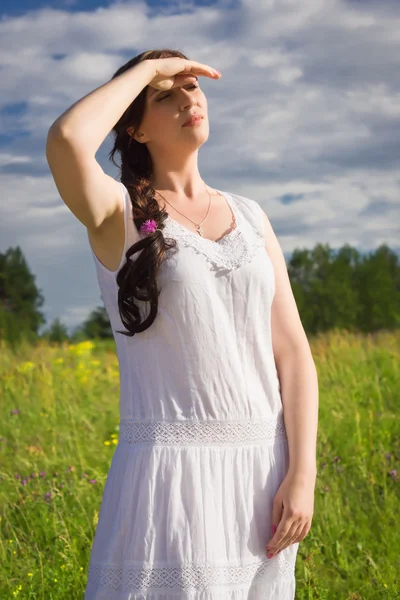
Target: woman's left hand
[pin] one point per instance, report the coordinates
(292, 511)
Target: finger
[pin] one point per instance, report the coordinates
(292, 538)
(201, 69)
(284, 532)
(304, 531)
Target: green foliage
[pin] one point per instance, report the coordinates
(341, 289)
(20, 299)
(96, 326)
(57, 333)
(345, 290)
(59, 427)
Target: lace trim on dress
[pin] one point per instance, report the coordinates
(203, 432)
(188, 577)
(229, 252)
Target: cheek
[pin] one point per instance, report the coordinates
(159, 120)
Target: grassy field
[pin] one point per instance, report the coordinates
(59, 427)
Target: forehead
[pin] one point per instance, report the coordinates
(180, 81)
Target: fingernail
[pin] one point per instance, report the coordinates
(270, 555)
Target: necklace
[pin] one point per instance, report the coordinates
(198, 226)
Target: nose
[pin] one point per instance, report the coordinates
(188, 98)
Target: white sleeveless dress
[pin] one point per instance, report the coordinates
(186, 511)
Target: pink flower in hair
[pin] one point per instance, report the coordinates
(148, 226)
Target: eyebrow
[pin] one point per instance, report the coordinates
(155, 92)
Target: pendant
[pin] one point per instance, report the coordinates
(199, 230)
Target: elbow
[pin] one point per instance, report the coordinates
(56, 132)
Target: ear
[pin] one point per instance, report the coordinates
(135, 135)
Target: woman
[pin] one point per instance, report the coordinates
(211, 486)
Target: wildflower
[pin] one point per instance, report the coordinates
(148, 226)
(26, 366)
(92, 480)
(15, 411)
(47, 496)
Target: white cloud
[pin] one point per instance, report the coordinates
(308, 105)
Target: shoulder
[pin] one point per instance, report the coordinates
(245, 201)
(253, 207)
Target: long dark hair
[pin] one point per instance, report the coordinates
(137, 279)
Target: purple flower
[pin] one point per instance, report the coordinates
(42, 474)
(148, 226)
(92, 481)
(18, 476)
(24, 481)
(47, 496)
(15, 411)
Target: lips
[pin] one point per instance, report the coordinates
(192, 119)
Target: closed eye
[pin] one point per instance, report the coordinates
(193, 86)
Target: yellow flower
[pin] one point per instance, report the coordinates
(115, 441)
(26, 366)
(107, 442)
(95, 517)
(30, 574)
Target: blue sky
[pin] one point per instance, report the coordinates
(305, 120)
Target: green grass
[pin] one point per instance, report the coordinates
(59, 427)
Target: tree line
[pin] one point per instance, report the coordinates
(334, 289)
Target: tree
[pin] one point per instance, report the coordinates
(20, 298)
(97, 325)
